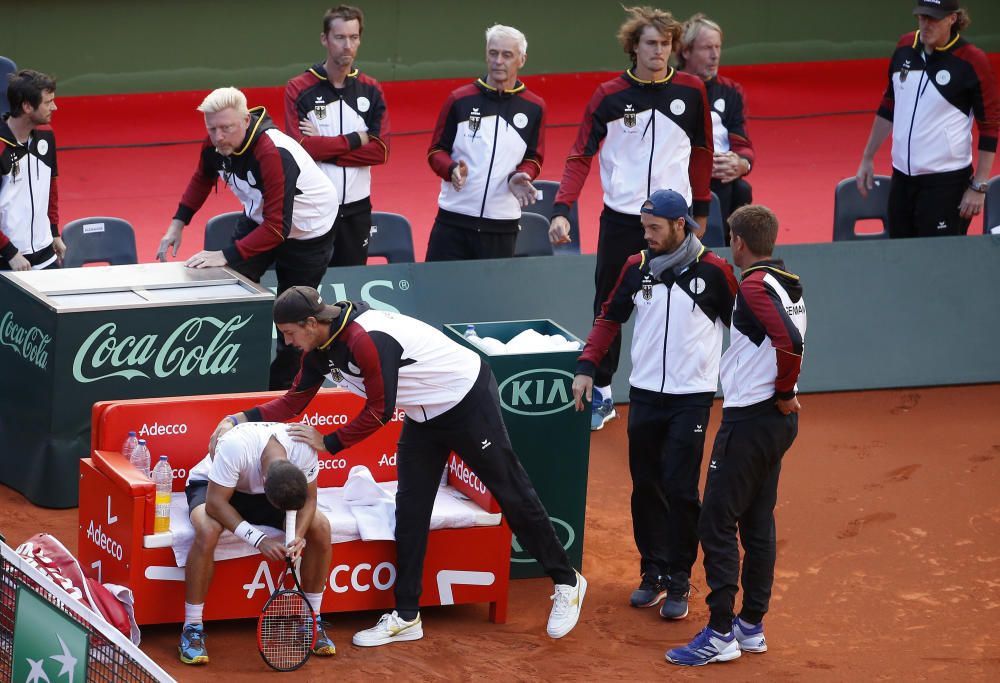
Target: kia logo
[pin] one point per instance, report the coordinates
(540, 391)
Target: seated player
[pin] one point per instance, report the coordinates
(252, 475)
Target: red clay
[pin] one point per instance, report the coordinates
(888, 567)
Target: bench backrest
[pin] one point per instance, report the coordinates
(179, 427)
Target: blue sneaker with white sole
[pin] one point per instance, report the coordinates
(707, 647)
(750, 637)
(601, 410)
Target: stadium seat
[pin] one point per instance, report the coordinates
(849, 207)
(219, 230)
(533, 238)
(715, 233)
(99, 239)
(7, 67)
(549, 189)
(391, 238)
(991, 210)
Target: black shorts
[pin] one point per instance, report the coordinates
(253, 507)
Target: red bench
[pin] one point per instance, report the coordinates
(117, 543)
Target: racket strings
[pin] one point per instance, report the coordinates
(287, 630)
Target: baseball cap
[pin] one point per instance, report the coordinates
(297, 303)
(668, 204)
(938, 9)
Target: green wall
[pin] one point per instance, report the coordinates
(113, 46)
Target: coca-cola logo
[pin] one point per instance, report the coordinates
(30, 343)
(199, 345)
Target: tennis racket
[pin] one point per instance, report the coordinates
(286, 630)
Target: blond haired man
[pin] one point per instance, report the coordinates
(289, 205)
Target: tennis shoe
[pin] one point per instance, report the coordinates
(676, 604)
(390, 629)
(323, 647)
(566, 604)
(750, 638)
(602, 410)
(192, 648)
(651, 590)
(707, 647)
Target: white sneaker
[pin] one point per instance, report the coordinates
(566, 604)
(390, 629)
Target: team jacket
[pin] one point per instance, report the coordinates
(388, 358)
(729, 127)
(679, 323)
(340, 114)
(283, 192)
(767, 336)
(932, 99)
(496, 133)
(29, 213)
(656, 135)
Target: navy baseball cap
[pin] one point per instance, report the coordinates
(938, 9)
(668, 204)
(296, 304)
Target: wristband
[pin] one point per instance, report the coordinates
(233, 420)
(249, 533)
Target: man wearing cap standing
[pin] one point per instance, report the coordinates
(938, 82)
(451, 403)
(683, 295)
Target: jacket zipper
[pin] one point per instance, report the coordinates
(489, 171)
(652, 152)
(666, 331)
(31, 196)
(913, 115)
(343, 171)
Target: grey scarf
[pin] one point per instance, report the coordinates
(678, 259)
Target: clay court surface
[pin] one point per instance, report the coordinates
(888, 568)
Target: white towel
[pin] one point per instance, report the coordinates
(373, 507)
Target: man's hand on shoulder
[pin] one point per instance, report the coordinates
(307, 434)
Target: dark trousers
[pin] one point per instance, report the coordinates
(451, 243)
(666, 441)
(927, 205)
(421, 457)
(350, 246)
(731, 197)
(740, 494)
(620, 236)
(296, 262)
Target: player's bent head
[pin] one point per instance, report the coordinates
(299, 303)
(757, 226)
(285, 486)
(224, 98)
(27, 86)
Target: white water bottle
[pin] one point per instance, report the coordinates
(140, 458)
(163, 477)
(470, 332)
(129, 446)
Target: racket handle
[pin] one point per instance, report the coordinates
(290, 526)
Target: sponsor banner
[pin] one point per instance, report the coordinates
(537, 392)
(48, 645)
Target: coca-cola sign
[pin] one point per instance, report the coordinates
(201, 345)
(30, 343)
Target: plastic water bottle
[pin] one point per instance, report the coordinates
(470, 332)
(140, 457)
(163, 477)
(131, 442)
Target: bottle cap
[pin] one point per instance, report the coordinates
(163, 458)
(131, 433)
(142, 442)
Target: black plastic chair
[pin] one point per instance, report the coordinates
(220, 229)
(849, 207)
(99, 239)
(543, 206)
(7, 67)
(391, 238)
(715, 232)
(991, 210)
(533, 238)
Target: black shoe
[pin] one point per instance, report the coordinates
(650, 592)
(676, 604)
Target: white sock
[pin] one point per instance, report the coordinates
(315, 601)
(192, 613)
(605, 391)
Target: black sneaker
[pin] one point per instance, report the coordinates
(650, 592)
(676, 604)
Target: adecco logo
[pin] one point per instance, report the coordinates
(541, 391)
